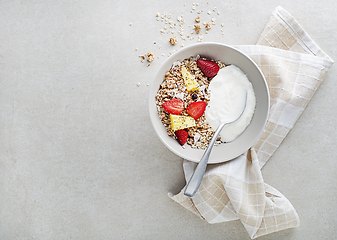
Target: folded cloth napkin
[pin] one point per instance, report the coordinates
(294, 67)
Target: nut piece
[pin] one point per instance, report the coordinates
(208, 26)
(197, 28)
(149, 57)
(173, 40)
(197, 19)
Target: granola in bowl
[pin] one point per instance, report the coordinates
(174, 86)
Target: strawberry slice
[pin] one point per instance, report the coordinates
(174, 106)
(181, 136)
(196, 109)
(209, 68)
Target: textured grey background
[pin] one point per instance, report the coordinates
(79, 158)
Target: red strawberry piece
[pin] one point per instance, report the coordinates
(181, 136)
(174, 106)
(196, 109)
(209, 68)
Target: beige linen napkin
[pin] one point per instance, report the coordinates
(294, 67)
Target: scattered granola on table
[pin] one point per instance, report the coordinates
(142, 58)
(149, 57)
(208, 26)
(181, 101)
(197, 19)
(173, 40)
(197, 28)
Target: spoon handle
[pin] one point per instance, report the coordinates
(198, 174)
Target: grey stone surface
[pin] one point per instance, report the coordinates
(79, 158)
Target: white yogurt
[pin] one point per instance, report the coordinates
(228, 93)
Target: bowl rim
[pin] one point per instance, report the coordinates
(173, 56)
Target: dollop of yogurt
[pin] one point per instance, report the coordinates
(228, 94)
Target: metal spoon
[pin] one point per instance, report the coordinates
(195, 180)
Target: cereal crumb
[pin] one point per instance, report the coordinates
(208, 26)
(149, 57)
(138, 84)
(130, 24)
(173, 40)
(197, 28)
(197, 19)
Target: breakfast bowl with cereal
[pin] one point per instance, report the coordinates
(196, 87)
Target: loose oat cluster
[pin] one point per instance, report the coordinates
(149, 57)
(197, 28)
(173, 40)
(173, 86)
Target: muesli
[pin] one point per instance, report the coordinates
(182, 98)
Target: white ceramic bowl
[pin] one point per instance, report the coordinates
(228, 55)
